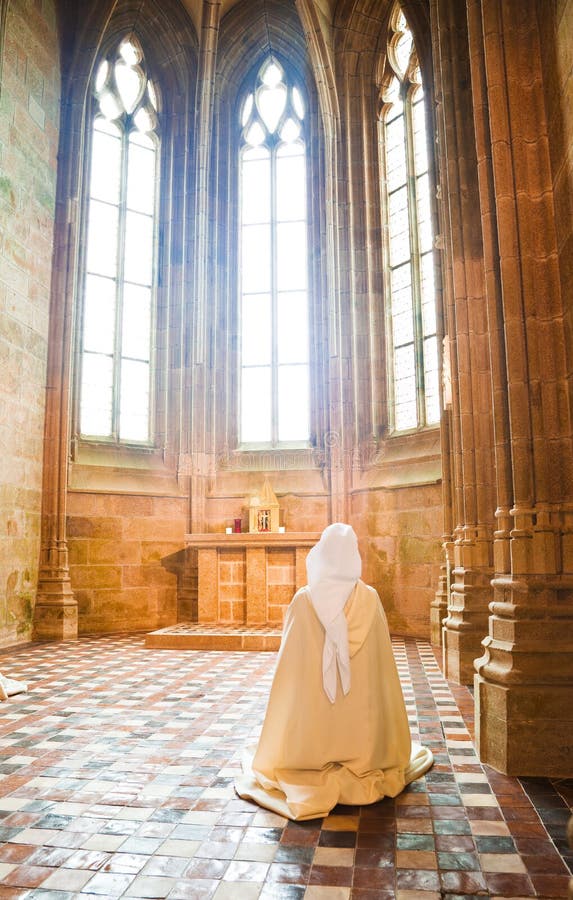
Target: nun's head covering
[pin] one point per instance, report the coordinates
(333, 567)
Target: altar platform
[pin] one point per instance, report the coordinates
(203, 636)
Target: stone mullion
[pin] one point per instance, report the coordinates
(202, 465)
(525, 677)
(497, 353)
(466, 622)
(439, 605)
(341, 417)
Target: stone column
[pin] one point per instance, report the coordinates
(524, 685)
(56, 610)
(466, 325)
(201, 422)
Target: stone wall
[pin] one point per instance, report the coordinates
(29, 124)
(399, 536)
(119, 549)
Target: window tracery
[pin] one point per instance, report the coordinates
(119, 271)
(273, 282)
(408, 249)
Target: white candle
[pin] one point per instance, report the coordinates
(281, 529)
(228, 531)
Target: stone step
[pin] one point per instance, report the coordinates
(194, 636)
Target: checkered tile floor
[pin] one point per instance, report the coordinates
(116, 780)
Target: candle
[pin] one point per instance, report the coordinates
(228, 531)
(281, 529)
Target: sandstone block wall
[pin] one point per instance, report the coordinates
(117, 545)
(29, 123)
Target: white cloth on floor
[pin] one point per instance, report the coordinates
(9, 687)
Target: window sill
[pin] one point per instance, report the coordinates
(106, 468)
(405, 460)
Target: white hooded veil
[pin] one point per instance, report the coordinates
(333, 567)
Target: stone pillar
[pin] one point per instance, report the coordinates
(201, 423)
(56, 611)
(472, 495)
(524, 685)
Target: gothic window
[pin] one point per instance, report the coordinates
(273, 279)
(411, 308)
(119, 271)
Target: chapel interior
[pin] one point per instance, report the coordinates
(314, 251)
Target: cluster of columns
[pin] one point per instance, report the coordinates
(507, 476)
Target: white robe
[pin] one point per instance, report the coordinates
(313, 754)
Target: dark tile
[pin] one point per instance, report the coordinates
(337, 839)
(417, 880)
(288, 853)
(372, 878)
(494, 844)
(445, 826)
(459, 882)
(509, 885)
(374, 858)
(466, 861)
(411, 841)
(332, 876)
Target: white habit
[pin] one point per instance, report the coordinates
(326, 741)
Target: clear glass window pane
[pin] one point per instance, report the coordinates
(402, 50)
(134, 416)
(106, 163)
(420, 140)
(292, 327)
(256, 405)
(428, 294)
(256, 191)
(293, 403)
(136, 326)
(256, 259)
(291, 256)
(141, 175)
(431, 384)
(399, 227)
(130, 84)
(99, 314)
(298, 103)
(102, 239)
(138, 260)
(256, 330)
(96, 395)
(396, 172)
(405, 410)
(401, 291)
(424, 214)
(402, 329)
(291, 187)
(271, 103)
(290, 131)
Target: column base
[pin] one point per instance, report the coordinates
(56, 609)
(460, 650)
(525, 730)
(55, 621)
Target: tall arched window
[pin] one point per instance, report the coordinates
(409, 264)
(273, 279)
(119, 267)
